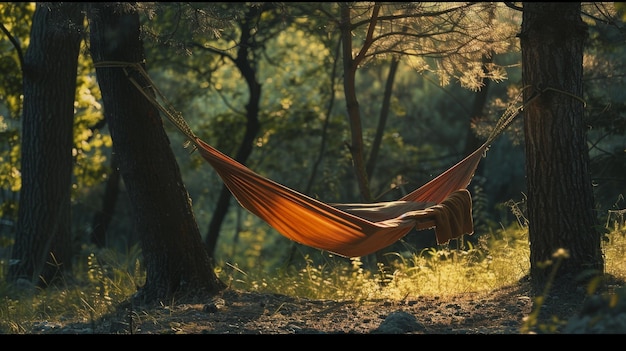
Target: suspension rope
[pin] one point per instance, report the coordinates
(153, 94)
(511, 112)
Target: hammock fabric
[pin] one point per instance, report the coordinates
(350, 230)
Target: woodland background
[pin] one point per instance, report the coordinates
(439, 107)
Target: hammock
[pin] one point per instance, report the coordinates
(352, 230)
(349, 230)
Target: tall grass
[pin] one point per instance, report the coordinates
(614, 249)
(104, 278)
(497, 260)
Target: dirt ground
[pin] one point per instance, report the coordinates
(238, 312)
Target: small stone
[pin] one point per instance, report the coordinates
(399, 322)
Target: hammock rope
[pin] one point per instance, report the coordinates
(349, 230)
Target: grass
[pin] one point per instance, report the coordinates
(104, 278)
(496, 260)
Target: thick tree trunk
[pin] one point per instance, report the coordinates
(175, 259)
(42, 246)
(560, 198)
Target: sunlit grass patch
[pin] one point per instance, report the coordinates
(614, 249)
(492, 263)
(102, 279)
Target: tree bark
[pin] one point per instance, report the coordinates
(175, 259)
(42, 246)
(382, 119)
(350, 66)
(246, 67)
(102, 218)
(560, 198)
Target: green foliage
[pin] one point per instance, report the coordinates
(621, 10)
(91, 142)
(15, 19)
(605, 113)
(190, 50)
(10, 180)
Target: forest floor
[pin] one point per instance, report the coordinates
(502, 311)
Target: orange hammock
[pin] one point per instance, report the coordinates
(350, 230)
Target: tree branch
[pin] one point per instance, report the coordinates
(15, 43)
(370, 34)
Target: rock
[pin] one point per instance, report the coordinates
(214, 306)
(399, 322)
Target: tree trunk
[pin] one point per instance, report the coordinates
(382, 119)
(350, 66)
(42, 246)
(175, 259)
(102, 218)
(560, 198)
(378, 139)
(246, 67)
